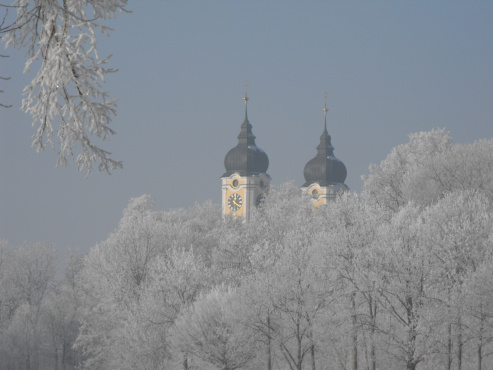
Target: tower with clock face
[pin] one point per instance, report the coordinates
(245, 182)
(324, 174)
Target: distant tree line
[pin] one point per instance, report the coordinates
(397, 277)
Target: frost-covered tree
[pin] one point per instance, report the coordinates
(404, 271)
(301, 293)
(429, 166)
(478, 304)
(346, 247)
(286, 301)
(388, 183)
(173, 284)
(213, 330)
(60, 319)
(459, 168)
(136, 282)
(65, 98)
(458, 229)
(113, 278)
(26, 274)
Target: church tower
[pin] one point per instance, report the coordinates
(324, 174)
(245, 182)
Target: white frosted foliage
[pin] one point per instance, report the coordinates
(65, 98)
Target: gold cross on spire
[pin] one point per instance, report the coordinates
(325, 109)
(246, 88)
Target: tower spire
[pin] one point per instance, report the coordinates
(325, 109)
(325, 169)
(245, 99)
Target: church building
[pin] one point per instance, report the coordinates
(246, 181)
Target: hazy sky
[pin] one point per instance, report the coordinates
(389, 68)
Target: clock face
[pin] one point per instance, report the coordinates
(235, 202)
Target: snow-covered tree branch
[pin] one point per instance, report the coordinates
(65, 98)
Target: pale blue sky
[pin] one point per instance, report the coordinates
(389, 68)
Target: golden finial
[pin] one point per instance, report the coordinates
(246, 88)
(325, 109)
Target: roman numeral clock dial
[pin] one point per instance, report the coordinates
(235, 202)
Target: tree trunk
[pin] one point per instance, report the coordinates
(449, 348)
(56, 358)
(480, 338)
(459, 345)
(299, 338)
(312, 352)
(269, 350)
(354, 348)
(312, 343)
(411, 366)
(373, 358)
(64, 354)
(480, 357)
(411, 334)
(373, 315)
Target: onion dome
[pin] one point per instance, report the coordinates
(246, 158)
(325, 168)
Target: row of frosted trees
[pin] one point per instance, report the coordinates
(397, 277)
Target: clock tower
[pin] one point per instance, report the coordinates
(245, 182)
(324, 174)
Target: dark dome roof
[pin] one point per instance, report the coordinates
(246, 158)
(325, 168)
